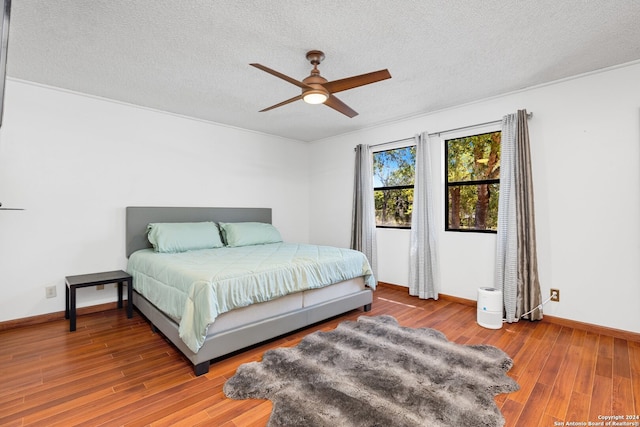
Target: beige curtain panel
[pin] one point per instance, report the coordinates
(516, 253)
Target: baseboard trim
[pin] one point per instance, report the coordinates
(590, 327)
(49, 317)
(597, 329)
(393, 286)
(463, 301)
(602, 330)
(451, 298)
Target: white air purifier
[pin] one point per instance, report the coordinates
(490, 308)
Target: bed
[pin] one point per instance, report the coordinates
(230, 328)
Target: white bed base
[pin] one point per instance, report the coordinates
(247, 326)
(247, 334)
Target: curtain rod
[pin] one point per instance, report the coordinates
(493, 122)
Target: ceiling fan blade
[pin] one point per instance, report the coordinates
(355, 81)
(340, 106)
(282, 76)
(288, 101)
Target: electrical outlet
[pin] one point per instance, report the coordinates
(50, 291)
(100, 287)
(555, 295)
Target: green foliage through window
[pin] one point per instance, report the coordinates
(393, 178)
(473, 182)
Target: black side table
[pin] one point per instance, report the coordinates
(84, 280)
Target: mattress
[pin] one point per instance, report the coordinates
(195, 287)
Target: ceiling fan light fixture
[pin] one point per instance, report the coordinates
(315, 96)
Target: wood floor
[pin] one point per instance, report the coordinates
(115, 371)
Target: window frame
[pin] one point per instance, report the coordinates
(396, 187)
(447, 184)
(390, 147)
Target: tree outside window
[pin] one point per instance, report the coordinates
(473, 182)
(393, 178)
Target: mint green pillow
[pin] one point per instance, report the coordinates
(249, 233)
(171, 237)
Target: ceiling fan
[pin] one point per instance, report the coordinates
(317, 90)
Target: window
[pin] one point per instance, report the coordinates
(393, 177)
(473, 182)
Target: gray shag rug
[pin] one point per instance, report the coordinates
(374, 372)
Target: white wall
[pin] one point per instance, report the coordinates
(75, 162)
(585, 142)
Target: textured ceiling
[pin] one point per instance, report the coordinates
(191, 57)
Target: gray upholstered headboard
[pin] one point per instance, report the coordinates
(138, 217)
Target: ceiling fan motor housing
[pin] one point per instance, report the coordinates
(317, 94)
(315, 82)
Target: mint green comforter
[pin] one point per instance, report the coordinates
(195, 287)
